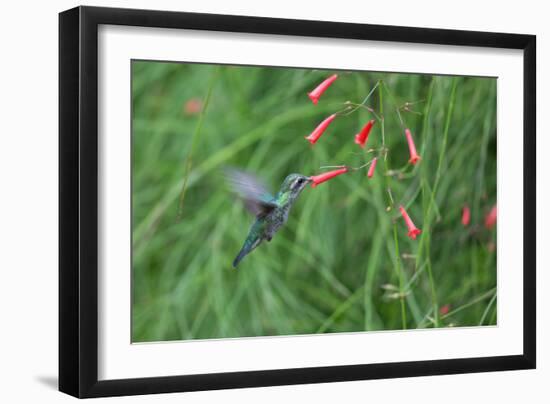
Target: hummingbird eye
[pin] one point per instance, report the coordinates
(298, 183)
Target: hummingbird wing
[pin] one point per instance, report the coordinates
(255, 195)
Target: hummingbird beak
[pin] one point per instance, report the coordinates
(309, 179)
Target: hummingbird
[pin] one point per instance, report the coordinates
(271, 211)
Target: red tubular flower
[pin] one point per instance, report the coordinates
(466, 215)
(413, 230)
(412, 148)
(319, 179)
(491, 218)
(361, 138)
(318, 131)
(321, 88)
(372, 167)
(193, 106)
(444, 309)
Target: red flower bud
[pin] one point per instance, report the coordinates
(466, 215)
(372, 167)
(319, 179)
(413, 230)
(321, 88)
(412, 148)
(318, 131)
(361, 138)
(491, 218)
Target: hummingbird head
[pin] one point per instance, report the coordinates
(293, 185)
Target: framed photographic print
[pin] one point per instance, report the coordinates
(251, 201)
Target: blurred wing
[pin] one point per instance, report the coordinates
(257, 199)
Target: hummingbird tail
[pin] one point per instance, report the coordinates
(247, 247)
(239, 257)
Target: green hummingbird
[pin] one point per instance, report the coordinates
(271, 211)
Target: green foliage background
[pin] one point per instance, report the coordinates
(343, 262)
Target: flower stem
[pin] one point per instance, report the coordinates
(398, 267)
(351, 107)
(425, 238)
(194, 141)
(401, 279)
(486, 311)
(392, 99)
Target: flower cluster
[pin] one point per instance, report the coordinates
(361, 140)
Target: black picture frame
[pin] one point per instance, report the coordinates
(78, 201)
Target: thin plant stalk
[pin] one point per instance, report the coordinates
(425, 240)
(194, 141)
(398, 267)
